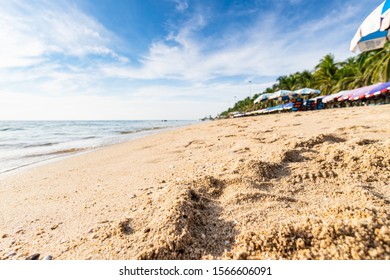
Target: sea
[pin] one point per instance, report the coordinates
(28, 143)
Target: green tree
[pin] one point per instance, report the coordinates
(325, 74)
(329, 76)
(378, 65)
(352, 73)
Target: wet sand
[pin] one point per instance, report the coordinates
(309, 185)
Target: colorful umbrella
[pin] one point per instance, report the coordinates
(382, 88)
(262, 97)
(360, 93)
(385, 16)
(303, 91)
(280, 93)
(330, 98)
(357, 93)
(372, 33)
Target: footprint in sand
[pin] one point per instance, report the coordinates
(195, 142)
(354, 127)
(242, 150)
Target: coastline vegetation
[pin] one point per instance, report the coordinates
(328, 76)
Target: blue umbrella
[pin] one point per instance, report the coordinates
(372, 33)
(307, 91)
(262, 97)
(280, 93)
(360, 92)
(382, 88)
(385, 16)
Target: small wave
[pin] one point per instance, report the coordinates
(127, 132)
(10, 129)
(41, 145)
(89, 137)
(153, 128)
(139, 130)
(60, 152)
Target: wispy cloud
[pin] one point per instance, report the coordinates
(267, 48)
(52, 54)
(33, 30)
(181, 5)
(52, 48)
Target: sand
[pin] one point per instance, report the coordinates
(310, 185)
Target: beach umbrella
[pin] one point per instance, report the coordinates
(262, 97)
(362, 92)
(332, 97)
(257, 100)
(280, 93)
(385, 16)
(357, 93)
(335, 96)
(306, 91)
(372, 33)
(380, 89)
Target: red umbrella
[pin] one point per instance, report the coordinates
(382, 88)
(357, 92)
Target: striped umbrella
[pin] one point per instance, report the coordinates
(330, 98)
(372, 33)
(382, 88)
(357, 93)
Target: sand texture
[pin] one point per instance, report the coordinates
(310, 185)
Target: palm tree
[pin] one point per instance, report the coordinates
(305, 79)
(378, 65)
(329, 76)
(284, 82)
(325, 74)
(352, 75)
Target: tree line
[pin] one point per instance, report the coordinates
(328, 76)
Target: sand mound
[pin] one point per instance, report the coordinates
(237, 216)
(320, 139)
(190, 228)
(342, 233)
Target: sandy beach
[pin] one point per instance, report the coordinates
(309, 185)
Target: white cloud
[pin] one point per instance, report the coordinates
(37, 86)
(263, 49)
(181, 5)
(31, 30)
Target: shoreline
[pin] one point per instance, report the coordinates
(212, 190)
(80, 151)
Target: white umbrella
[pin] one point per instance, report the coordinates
(385, 16)
(372, 33)
(262, 97)
(304, 91)
(280, 93)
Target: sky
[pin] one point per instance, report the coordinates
(159, 59)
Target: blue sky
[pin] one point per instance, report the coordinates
(159, 59)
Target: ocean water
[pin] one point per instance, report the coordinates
(25, 143)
